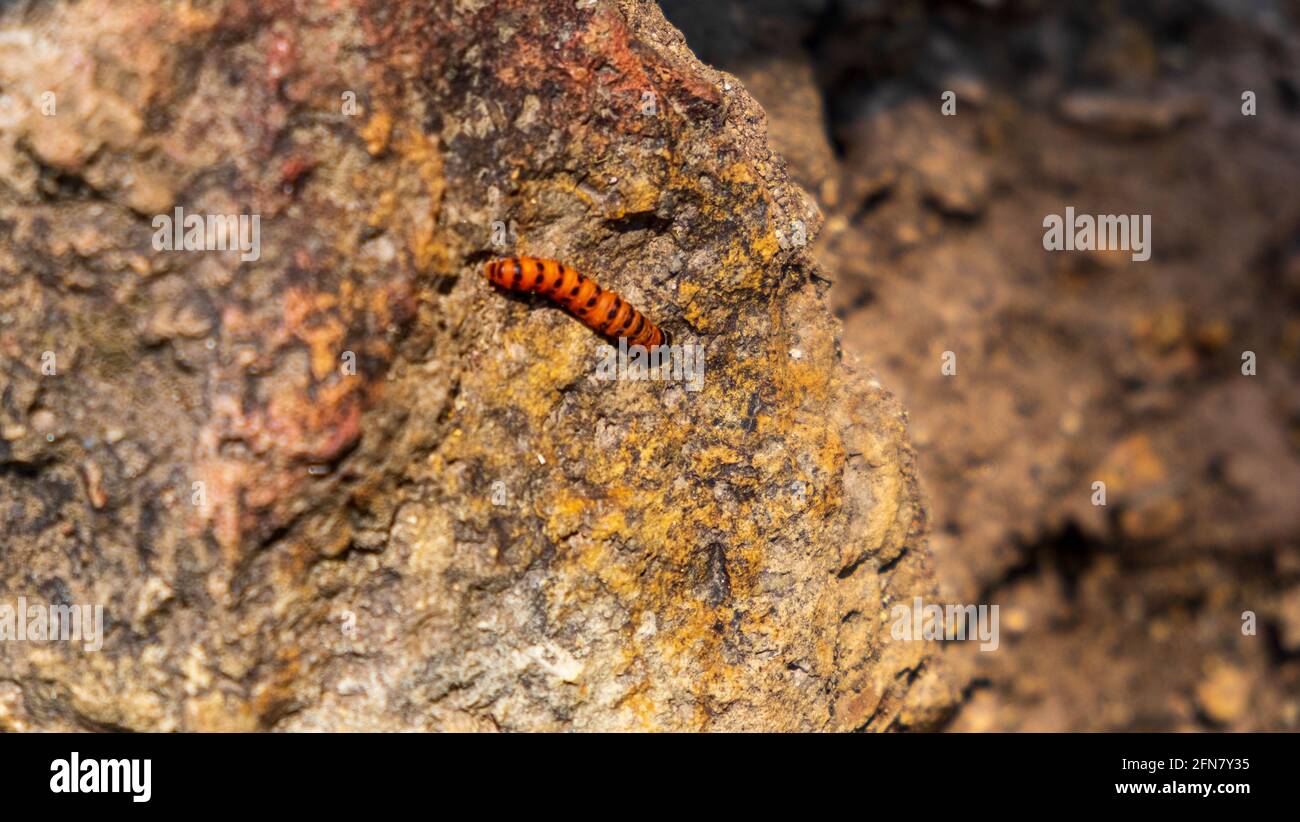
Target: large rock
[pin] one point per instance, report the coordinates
(467, 529)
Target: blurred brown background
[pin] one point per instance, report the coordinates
(1071, 367)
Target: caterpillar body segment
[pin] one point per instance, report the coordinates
(601, 310)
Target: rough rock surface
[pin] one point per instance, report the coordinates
(468, 531)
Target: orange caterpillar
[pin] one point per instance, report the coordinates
(602, 311)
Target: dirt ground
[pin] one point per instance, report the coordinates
(1176, 605)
